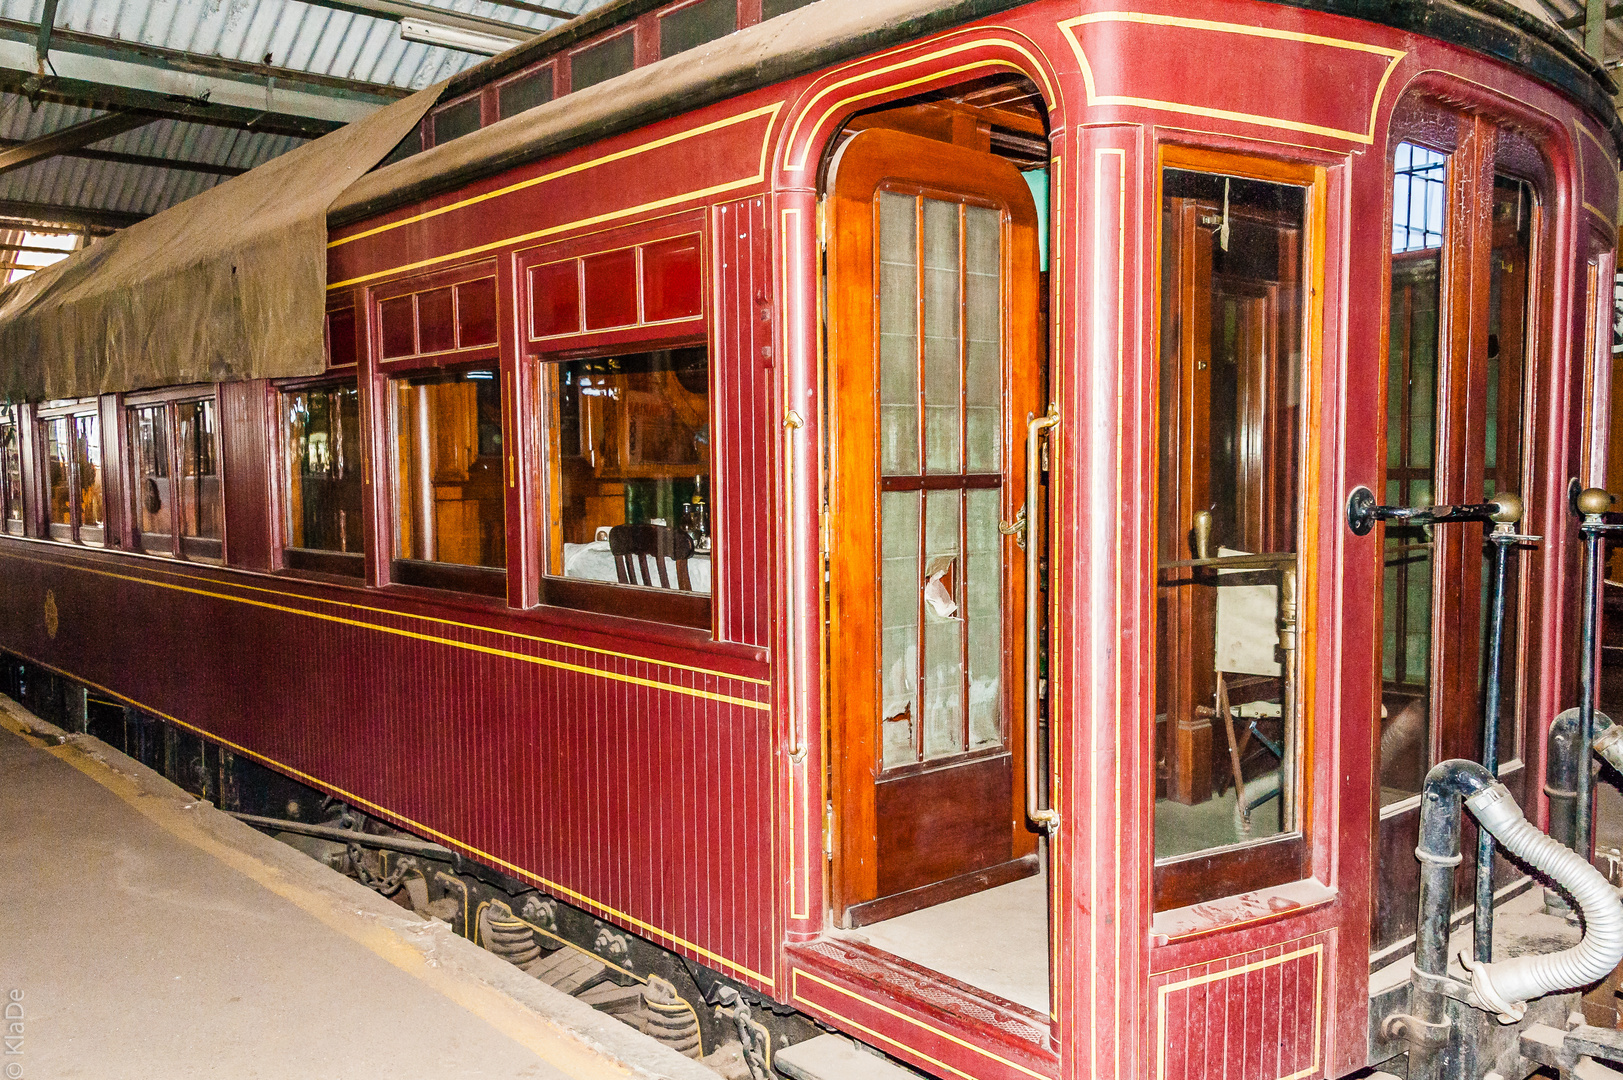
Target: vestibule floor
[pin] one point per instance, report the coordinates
(996, 940)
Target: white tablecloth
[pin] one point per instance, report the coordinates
(592, 562)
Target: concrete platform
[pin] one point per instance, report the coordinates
(144, 934)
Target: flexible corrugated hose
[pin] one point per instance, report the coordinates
(1506, 986)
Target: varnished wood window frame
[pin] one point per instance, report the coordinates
(1218, 872)
(668, 606)
(170, 399)
(72, 410)
(348, 565)
(481, 581)
(11, 416)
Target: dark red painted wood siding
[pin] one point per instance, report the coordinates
(635, 785)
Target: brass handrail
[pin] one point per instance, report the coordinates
(1046, 820)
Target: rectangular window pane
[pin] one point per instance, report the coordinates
(602, 61)
(525, 93)
(1411, 388)
(772, 8)
(983, 613)
(943, 689)
(87, 472)
(449, 503)
(983, 337)
(202, 519)
(692, 26)
(323, 431)
(898, 319)
(899, 656)
(630, 470)
(456, 121)
(59, 477)
(941, 248)
(11, 476)
(154, 494)
(1231, 362)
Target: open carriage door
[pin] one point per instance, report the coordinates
(933, 371)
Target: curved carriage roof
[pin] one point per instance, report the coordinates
(198, 293)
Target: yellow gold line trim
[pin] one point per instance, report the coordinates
(430, 619)
(799, 852)
(488, 650)
(760, 174)
(931, 1028)
(417, 826)
(805, 151)
(1315, 950)
(1367, 137)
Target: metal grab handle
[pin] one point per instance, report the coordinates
(1363, 511)
(1045, 820)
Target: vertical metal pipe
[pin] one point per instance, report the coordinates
(1591, 503)
(1502, 540)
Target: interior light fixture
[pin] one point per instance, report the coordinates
(454, 37)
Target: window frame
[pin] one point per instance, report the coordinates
(1213, 873)
(540, 357)
(11, 416)
(72, 410)
(485, 581)
(667, 606)
(350, 566)
(171, 399)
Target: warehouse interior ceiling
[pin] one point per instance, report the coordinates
(113, 110)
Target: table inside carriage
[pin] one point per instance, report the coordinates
(594, 562)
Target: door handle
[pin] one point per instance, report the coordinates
(1036, 426)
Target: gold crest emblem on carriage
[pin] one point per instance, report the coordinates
(52, 618)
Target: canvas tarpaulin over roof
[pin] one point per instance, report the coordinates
(230, 284)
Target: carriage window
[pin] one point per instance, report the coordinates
(11, 474)
(1417, 409)
(178, 499)
(450, 509)
(1231, 377)
(73, 469)
(322, 432)
(201, 520)
(629, 470)
(1418, 177)
(154, 496)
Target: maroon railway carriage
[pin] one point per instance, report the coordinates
(775, 498)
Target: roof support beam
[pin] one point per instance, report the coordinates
(47, 23)
(395, 10)
(22, 215)
(88, 154)
(1595, 29)
(71, 138)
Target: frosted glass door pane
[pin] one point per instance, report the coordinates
(983, 611)
(942, 384)
(898, 334)
(943, 635)
(899, 648)
(983, 331)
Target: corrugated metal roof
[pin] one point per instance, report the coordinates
(295, 35)
(286, 34)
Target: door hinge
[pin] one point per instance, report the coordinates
(828, 832)
(822, 532)
(822, 224)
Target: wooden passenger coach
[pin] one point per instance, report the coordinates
(659, 524)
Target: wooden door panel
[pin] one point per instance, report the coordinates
(931, 379)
